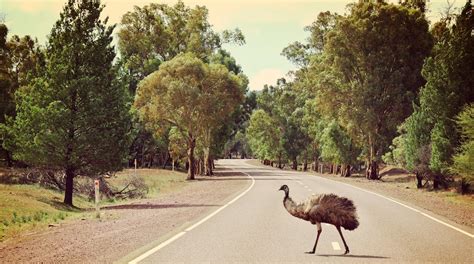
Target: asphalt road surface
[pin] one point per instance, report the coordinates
(255, 227)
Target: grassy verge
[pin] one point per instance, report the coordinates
(28, 207)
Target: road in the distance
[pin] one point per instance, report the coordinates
(257, 228)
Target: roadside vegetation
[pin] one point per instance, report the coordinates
(370, 93)
(78, 108)
(29, 203)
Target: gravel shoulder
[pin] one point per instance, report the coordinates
(127, 227)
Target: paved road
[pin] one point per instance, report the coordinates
(257, 228)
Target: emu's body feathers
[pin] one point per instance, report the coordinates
(325, 208)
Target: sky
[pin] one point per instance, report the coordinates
(268, 25)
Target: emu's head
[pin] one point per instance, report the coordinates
(285, 188)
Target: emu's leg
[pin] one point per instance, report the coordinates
(343, 240)
(317, 238)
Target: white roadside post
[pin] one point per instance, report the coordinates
(135, 171)
(97, 197)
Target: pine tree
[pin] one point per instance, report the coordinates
(74, 117)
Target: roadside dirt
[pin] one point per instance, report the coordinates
(124, 228)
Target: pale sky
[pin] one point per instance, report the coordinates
(268, 25)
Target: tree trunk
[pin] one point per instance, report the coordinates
(367, 169)
(9, 159)
(305, 164)
(207, 169)
(348, 171)
(191, 169)
(279, 162)
(210, 165)
(436, 182)
(172, 164)
(70, 173)
(419, 180)
(295, 164)
(373, 171)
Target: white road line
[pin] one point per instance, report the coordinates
(300, 182)
(155, 249)
(170, 240)
(411, 208)
(335, 246)
(309, 190)
(306, 186)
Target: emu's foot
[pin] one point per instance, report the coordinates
(310, 252)
(347, 251)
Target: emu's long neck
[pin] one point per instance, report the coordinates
(292, 208)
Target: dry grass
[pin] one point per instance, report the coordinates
(157, 180)
(27, 207)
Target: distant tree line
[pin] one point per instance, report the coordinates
(377, 84)
(170, 97)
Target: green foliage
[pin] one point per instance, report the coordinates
(430, 132)
(464, 159)
(74, 116)
(264, 135)
(155, 33)
(20, 61)
(336, 146)
(440, 149)
(372, 71)
(177, 144)
(183, 93)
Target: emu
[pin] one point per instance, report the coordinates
(324, 208)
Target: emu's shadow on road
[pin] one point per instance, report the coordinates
(154, 206)
(353, 256)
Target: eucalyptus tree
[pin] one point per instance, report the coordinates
(192, 96)
(155, 33)
(264, 137)
(372, 72)
(74, 117)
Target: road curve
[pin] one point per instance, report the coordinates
(255, 227)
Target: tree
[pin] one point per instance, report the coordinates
(74, 117)
(264, 136)
(372, 72)
(337, 148)
(190, 95)
(155, 33)
(177, 146)
(222, 92)
(464, 160)
(449, 74)
(20, 60)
